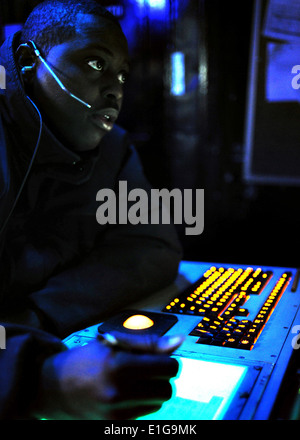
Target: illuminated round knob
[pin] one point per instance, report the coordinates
(138, 322)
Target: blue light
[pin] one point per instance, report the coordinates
(143, 16)
(116, 10)
(10, 29)
(155, 4)
(177, 74)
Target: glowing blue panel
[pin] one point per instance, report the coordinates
(10, 29)
(202, 391)
(155, 4)
(117, 10)
(177, 74)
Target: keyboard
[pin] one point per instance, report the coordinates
(241, 328)
(220, 297)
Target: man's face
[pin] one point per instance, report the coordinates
(93, 66)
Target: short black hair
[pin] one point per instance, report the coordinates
(52, 22)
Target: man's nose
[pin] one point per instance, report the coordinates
(113, 90)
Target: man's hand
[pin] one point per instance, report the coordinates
(97, 381)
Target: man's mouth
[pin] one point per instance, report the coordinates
(105, 118)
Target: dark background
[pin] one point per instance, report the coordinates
(197, 140)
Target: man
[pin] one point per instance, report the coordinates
(60, 269)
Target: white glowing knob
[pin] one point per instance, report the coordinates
(138, 322)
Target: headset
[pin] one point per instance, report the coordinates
(33, 47)
(25, 69)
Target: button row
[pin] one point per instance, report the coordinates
(220, 291)
(227, 331)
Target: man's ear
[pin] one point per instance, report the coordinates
(27, 62)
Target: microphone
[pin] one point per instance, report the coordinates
(38, 54)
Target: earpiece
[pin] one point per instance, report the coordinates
(26, 69)
(33, 50)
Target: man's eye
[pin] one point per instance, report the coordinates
(123, 77)
(96, 64)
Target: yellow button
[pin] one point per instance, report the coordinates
(138, 322)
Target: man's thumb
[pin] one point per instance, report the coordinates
(142, 343)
